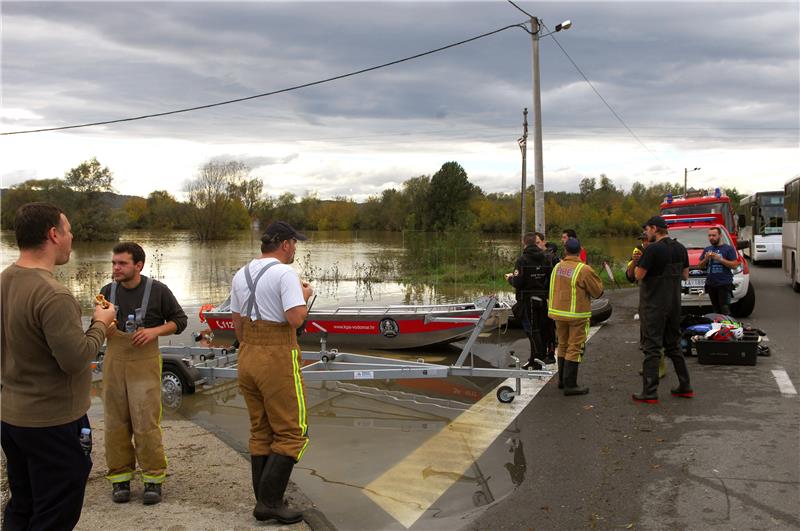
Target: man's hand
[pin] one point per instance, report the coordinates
(308, 291)
(107, 316)
(143, 336)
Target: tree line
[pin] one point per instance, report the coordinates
(224, 197)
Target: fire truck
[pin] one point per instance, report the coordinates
(704, 202)
(689, 217)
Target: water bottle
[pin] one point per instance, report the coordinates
(130, 324)
(86, 440)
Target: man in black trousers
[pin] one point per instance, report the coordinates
(46, 375)
(663, 264)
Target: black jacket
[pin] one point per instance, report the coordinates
(531, 275)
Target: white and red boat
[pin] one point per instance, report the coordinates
(382, 327)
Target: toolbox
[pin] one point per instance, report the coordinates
(741, 352)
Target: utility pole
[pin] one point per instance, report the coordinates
(523, 146)
(537, 130)
(686, 178)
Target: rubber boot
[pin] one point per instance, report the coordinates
(257, 463)
(560, 373)
(662, 368)
(571, 379)
(684, 389)
(272, 487)
(649, 392)
(536, 353)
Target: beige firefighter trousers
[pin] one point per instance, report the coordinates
(272, 385)
(572, 336)
(132, 409)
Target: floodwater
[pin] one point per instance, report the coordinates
(421, 454)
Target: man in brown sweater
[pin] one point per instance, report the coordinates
(46, 376)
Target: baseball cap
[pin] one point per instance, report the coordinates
(656, 221)
(572, 245)
(279, 231)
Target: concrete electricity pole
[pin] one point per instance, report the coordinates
(523, 146)
(538, 164)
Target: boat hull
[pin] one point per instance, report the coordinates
(382, 329)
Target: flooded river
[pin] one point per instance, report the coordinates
(422, 454)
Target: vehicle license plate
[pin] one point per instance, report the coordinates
(694, 283)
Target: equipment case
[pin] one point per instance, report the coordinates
(741, 352)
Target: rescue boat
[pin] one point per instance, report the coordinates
(381, 327)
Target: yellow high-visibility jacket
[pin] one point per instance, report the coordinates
(573, 284)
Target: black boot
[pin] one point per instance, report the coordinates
(560, 373)
(257, 463)
(272, 487)
(571, 379)
(649, 392)
(684, 389)
(536, 353)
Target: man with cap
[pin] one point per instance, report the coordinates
(630, 274)
(268, 304)
(573, 284)
(664, 263)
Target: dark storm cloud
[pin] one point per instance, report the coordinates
(683, 73)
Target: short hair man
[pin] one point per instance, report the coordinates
(573, 284)
(46, 375)
(570, 233)
(132, 374)
(530, 279)
(663, 264)
(268, 305)
(720, 258)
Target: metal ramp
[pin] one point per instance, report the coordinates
(330, 364)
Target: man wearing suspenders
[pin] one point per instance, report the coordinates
(268, 305)
(132, 374)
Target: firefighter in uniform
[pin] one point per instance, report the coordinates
(268, 303)
(630, 274)
(530, 277)
(663, 264)
(573, 284)
(132, 374)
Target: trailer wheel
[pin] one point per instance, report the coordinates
(505, 394)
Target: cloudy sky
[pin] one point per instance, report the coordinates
(714, 85)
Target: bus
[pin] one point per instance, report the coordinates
(760, 224)
(791, 231)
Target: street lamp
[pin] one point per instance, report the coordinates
(536, 29)
(686, 178)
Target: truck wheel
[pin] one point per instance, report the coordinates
(746, 304)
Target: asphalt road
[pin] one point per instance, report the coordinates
(727, 459)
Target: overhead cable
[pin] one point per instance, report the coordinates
(272, 93)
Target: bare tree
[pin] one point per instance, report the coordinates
(212, 194)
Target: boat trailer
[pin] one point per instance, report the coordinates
(331, 365)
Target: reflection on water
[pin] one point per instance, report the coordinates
(360, 430)
(337, 263)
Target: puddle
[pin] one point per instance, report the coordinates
(420, 454)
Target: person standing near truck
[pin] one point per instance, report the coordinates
(719, 259)
(659, 272)
(146, 309)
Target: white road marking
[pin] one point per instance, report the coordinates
(408, 489)
(784, 382)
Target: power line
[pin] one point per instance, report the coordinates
(610, 108)
(272, 93)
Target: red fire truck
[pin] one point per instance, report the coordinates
(704, 202)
